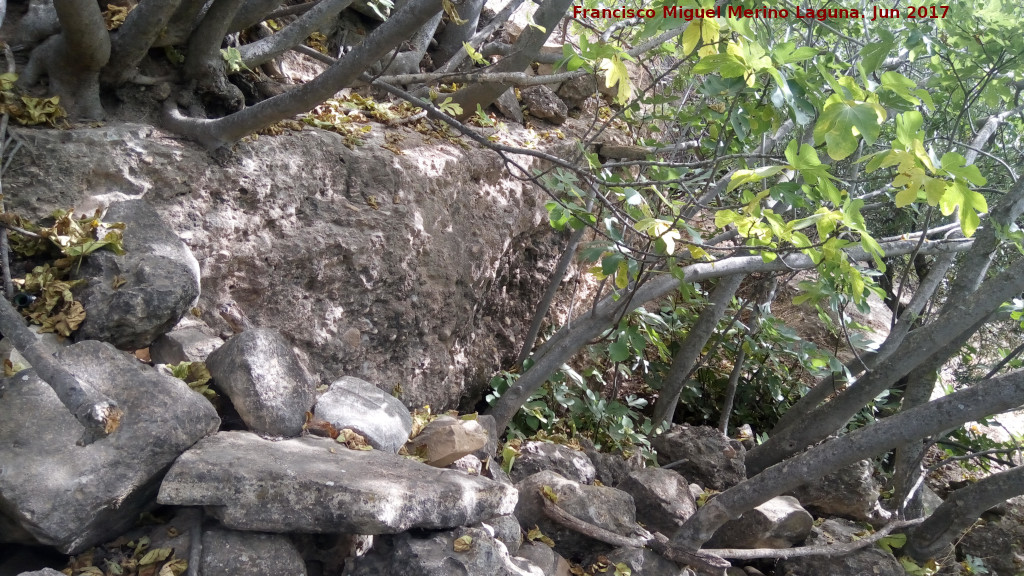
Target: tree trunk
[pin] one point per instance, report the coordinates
(450, 40)
(133, 39)
(73, 59)
(689, 351)
(204, 63)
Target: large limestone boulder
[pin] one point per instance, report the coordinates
(317, 485)
(72, 497)
(358, 256)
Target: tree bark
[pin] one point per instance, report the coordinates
(410, 53)
(960, 510)
(204, 63)
(988, 397)
(73, 59)
(450, 40)
(183, 22)
(217, 133)
(689, 351)
(919, 347)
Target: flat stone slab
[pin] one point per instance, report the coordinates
(316, 485)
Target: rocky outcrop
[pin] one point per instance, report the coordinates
(358, 256)
(230, 553)
(72, 497)
(317, 485)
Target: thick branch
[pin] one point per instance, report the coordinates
(829, 551)
(134, 38)
(271, 47)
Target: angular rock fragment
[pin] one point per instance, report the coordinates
(259, 372)
(316, 485)
(703, 455)
(231, 553)
(550, 562)
(72, 497)
(356, 404)
(184, 345)
(447, 439)
(538, 456)
(662, 498)
(777, 523)
(643, 562)
(132, 299)
(542, 102)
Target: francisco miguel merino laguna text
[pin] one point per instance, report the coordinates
(689, 14)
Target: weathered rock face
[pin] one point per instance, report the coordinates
(643, 562)
(601, 506)
(703, 455)
(537, 456)
(359, 257)
(662, 498)
(870, 560)
(72, 497)
(542, 102)
(268, 387)
(356, 404)
(434, 554)
(229, 553)
(159, 275)
(543, 556)
(777, 523)
(316, 485)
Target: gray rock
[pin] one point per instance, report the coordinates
(491, 427)
(72, 497)
(703, 455)
(230, 553)
(446, 439)
(508, 105)
(850, 492)
(612, 468)
(468, 464)
(601, 506)
(259, 372)
(507, 530)
(542, 102)
(317, 485)
(643, 562)
(870, 560)
(550, 562)
(160, 281)
(576, 91)
(538, 456)
(662, 498)
(380, 417)
(777, 523)
(43, 572)
(185, 345)
(434, 554)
